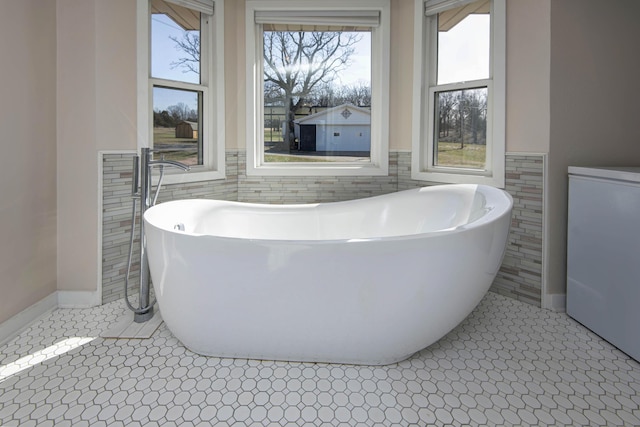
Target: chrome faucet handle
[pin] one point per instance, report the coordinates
(135, 182)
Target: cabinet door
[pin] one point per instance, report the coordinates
(603, 259)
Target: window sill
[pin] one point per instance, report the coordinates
(197, 174)
(341, 169)
(458, 178)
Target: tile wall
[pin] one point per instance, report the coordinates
(116, 226)
(313, 189)
(520, 276)
(117, 209)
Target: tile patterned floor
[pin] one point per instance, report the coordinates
(508, 363)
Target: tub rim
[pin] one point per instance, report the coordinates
(493, 213)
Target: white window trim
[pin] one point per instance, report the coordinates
(424, 68)
(213, 102)
(380, 46)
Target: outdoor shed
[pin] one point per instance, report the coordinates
(187, 129)
(342, 129)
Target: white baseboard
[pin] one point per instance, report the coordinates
(78, 299)
(556, 302)
(16, 324)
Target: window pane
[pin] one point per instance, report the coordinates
(175, 42)
(464, 42)
(177, 129)
(317, 95)
(460, 136)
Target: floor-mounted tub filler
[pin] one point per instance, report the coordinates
(141, 191)
(368, 281)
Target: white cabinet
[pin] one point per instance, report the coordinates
(603, 254)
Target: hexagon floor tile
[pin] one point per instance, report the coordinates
(508, 363)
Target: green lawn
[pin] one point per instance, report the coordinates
(271, 135)
(471, 156)
(183, 150)
(168, 136)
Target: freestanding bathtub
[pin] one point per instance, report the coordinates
(368, 281)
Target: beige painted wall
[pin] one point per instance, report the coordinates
(115, 57)
(528, 76)
(401, 75)
(28, 161)
(594, 102)
(77, 162)
(234, 74)
(96, 111)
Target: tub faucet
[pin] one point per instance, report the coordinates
(146, 166)
(145, 310)
(164, 162)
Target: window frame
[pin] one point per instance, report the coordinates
(211, 85)
(380, 42)
(425, 88)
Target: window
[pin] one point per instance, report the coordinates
(182, 103)
(317, 87)
(459, 91)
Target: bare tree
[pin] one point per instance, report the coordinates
(477, 111)
(359, 94)
(296, 62)
(181, 111)
(331, 95)
(464, 113)
(447, 102)
(190, 45)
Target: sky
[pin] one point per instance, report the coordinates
(461, 57)
(360, 69)
(163, 53)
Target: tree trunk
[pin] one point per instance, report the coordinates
(289, 137)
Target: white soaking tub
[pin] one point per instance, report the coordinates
(368, 281)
